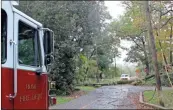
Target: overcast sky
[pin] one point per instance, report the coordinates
(116, 9)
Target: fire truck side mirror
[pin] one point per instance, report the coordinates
(48, 41)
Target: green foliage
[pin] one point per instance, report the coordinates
(112, 72)
(103, 62)
(131, 26)
(85, 63)
(83, 58)
(150, 82)
(27, 57)
(75, 24)
(135, 55)
(92, 69)
(165, 81)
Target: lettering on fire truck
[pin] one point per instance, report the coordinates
(31, 86)
(32, 97)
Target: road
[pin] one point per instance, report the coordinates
(106, 97)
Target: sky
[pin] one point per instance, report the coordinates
(116, 9)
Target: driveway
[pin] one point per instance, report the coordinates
(106, 97)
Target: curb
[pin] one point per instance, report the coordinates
(141, 100)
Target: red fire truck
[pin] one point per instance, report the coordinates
(26, 56)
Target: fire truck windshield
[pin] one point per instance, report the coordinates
(28, 45)
(3, 36)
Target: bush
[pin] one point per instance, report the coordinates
(165, 80)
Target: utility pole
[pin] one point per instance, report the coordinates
(154, 53)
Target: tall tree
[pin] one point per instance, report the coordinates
(131, 26)
(75, 24)
(154, 53)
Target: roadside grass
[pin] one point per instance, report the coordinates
(65, 99)
(86, 88)
(167, 97)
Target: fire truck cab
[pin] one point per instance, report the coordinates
(26, 54)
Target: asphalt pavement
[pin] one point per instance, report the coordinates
(106, 97)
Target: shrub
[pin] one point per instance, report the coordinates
(165, 80)
(150, 81)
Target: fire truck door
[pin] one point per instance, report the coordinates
(31, 87)
(6, 58)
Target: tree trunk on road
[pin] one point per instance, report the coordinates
(154, 53)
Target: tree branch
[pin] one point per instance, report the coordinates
(92, 53)
(166, 22)
(136, 43)
(162, 14)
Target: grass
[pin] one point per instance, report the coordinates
(86, 88)
(65, 99)
(167, 97)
